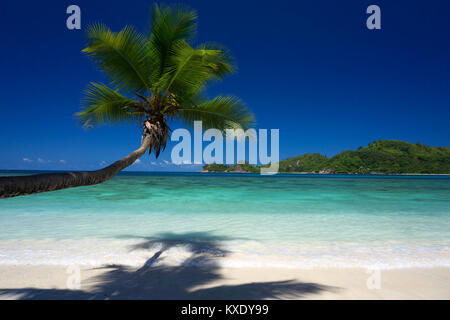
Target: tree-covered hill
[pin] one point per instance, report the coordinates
(384, 156)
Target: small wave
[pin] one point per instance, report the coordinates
(234, 254)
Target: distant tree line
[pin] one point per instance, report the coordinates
(379, 157)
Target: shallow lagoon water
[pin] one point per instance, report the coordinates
(282, 220)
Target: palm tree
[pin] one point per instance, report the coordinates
(153, 79)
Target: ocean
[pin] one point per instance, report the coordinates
(244, 220)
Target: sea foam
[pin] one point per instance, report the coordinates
(101, 252)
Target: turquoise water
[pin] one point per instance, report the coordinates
(367, 219)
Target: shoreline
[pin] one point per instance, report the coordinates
(95, 252)
(158, 282)
(242, 172)
(337, 174)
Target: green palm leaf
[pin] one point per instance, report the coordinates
(188, 70)
(220, 113)
(169, 26)
(218, 58)
(103, 105)
(121, 55)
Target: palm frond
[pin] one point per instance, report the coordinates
(103, 105)
(188, 70)
(218, 58)
(122, 56)
(169, 26)
(220, 113)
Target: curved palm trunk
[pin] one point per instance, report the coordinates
(23, 185)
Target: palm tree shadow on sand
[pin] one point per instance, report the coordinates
(193, 279)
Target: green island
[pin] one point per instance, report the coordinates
(379, 157)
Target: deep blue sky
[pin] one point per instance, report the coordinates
(310, 68)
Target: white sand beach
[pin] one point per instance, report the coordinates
(164, 282)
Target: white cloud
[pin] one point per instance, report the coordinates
(166, 163)
(184, 162)
(138, 161)
(40, 160)
(103, 163)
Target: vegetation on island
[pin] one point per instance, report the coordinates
(379, 157)
(240, 167)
